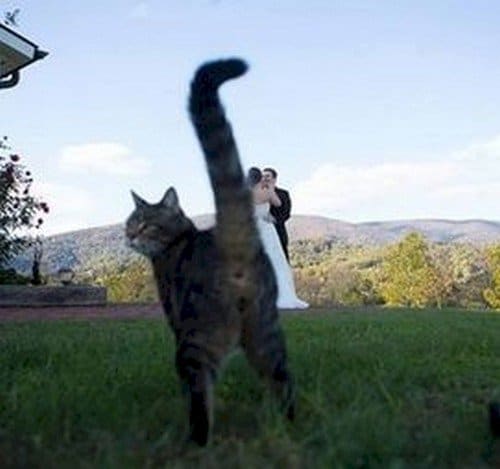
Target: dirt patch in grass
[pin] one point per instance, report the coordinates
(118, 311)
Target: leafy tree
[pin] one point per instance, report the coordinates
(11, 277)
(334, 273)
(20, 211)
(492, 293)
(462, 272)
(408, 275)
(128, 282)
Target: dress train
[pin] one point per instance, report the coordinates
(287, 297)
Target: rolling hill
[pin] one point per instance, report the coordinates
(75, 249)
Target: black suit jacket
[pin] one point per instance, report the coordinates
(281, 214)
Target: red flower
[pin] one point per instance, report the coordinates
(14, 158)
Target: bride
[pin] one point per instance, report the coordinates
(263, 196)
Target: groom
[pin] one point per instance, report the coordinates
(282, 213)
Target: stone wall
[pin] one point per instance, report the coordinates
(67, 295)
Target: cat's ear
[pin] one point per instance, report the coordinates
(170, 199)
(138, 201)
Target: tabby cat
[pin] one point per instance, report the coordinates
(217, 286)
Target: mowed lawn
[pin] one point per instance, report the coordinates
(387, 388)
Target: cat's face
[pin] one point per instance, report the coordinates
(152, 227)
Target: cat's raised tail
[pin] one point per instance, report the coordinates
(211, 75)
(236, 231)
(212, 128)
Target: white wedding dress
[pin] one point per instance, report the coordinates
(287, 298)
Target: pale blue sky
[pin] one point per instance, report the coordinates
(369, 110)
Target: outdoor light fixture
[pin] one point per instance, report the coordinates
(65, 275)
(16, 52)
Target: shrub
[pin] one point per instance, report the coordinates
(19, 210)
(409, 277)
(492, 293)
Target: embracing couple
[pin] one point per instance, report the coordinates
(272, 209)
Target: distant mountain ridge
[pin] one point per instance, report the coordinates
(77, 248)
(383, 232)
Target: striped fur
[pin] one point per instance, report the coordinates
(217, 287)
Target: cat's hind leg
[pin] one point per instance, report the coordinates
(265, 348)
(197, 379)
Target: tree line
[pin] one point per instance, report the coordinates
(411, 273)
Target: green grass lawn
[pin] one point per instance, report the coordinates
(384, 389)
